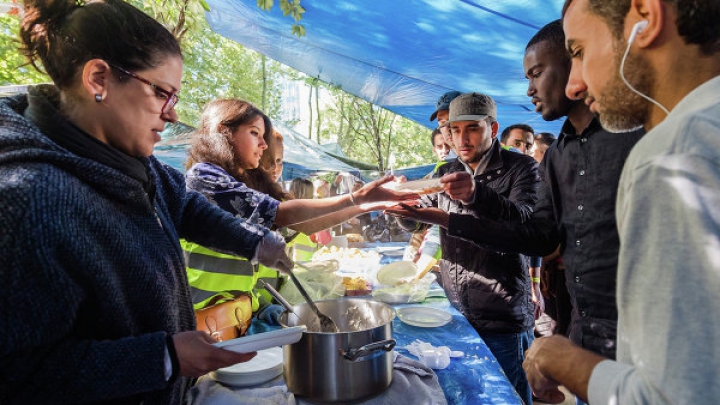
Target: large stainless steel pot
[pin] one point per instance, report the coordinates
(351, 365)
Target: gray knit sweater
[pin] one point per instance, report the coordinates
(92, 279)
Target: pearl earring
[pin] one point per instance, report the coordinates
(98, 97)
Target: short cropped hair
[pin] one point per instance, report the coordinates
(545, 138)
(506, 132)
(435, 133)
(552, 33)
(697, 21)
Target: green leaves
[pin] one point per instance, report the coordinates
(216, 67)
(14, 67)
(266, 5)
(298, 30)
(291, 8)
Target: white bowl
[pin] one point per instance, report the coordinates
(394, 273)
(264, 367)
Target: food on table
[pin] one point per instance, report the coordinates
(356, 286)
(354, 237)
(325, 266)
(342, 253)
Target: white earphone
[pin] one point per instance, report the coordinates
(636, 29)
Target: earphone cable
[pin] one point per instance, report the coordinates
(622, 76)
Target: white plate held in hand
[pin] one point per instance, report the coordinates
(260, 341)
(425, 186)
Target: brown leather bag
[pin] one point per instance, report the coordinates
(226, 320)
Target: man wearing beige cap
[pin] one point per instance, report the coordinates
(491, 289)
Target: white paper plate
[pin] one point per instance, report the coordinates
(424, 317)
(424, 186)
(391, 274)
(260, 341)
(267, 365)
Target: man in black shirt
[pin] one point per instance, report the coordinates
(576, 206)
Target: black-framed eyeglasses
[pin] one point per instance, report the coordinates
(171, 97)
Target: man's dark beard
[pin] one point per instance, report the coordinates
(622, 109)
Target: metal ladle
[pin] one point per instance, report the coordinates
(326, 324)
(285, 303)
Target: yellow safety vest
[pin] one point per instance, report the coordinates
(212, 274)
(303, 248)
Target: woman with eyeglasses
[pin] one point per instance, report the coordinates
(95, 301)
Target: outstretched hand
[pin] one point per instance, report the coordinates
(375, 192)
(428, 215)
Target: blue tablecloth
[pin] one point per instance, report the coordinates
(476, 378)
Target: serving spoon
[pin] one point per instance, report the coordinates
(326, 323)
(310, 325)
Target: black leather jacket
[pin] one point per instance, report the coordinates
(491, 289)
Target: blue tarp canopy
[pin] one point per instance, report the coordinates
(402, 54)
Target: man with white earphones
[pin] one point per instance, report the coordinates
(654, 63)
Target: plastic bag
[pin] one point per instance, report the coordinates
(405, 293)
(320, 285)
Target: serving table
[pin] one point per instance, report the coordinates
(474, 378)
(477, 377)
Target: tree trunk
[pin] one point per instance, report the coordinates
(318, 121)
(310, 115)
(342, 113)
(263, 59)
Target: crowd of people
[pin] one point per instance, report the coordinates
(613, 202)
(611, 228)
(107, 252)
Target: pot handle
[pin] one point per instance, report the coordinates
(362, 351)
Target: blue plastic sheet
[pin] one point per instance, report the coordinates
(477, 377)
(402, 55)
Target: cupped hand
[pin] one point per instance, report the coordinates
(459, 186)
(197, 355)
(428, 215)
(374, 192)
